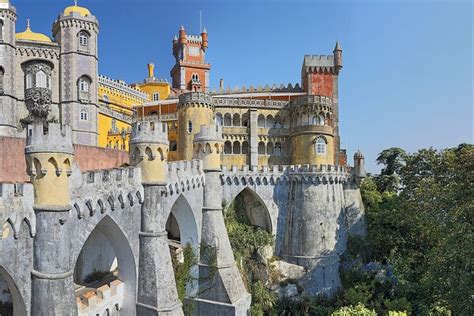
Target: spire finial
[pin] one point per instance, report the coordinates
(28, 23)
(75, 3)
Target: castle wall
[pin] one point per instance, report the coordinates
(13, 166)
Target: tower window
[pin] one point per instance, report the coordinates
(190, 127)
(83, 115)
(1, 30)
(320, 146)
(42, 80)
(156, 96)
(321, 119)
(83, 40)
(173, 145)
(84, 87)
(29, 81)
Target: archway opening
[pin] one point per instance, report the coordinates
(183, 240)
(250, 209)
(11, 302)
(105, 272)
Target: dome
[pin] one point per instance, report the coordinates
(77, 9)
(29, 35)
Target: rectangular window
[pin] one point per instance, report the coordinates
(156, 96)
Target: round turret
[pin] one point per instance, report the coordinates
(49, 156)
(337, 57)
(208, 146)
(149, 148)
(182, 35)
(359, 168)
(205, 41)
(312, 131)
(194, 109)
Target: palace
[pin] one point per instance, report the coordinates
(99, 179)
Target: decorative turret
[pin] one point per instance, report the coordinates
(190, 72)
(205, 42)
(337, 57)
(49, 156)
(149, 150)
(208, 145)
(9, 116)
(359, 169)
(194, 109)
(151, 70)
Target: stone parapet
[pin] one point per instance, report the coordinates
(16, 207)
(209, 133)
(237, 102)
(104, 300)
(312, 100)
(151, 132)
(51, 138)
(195, 98)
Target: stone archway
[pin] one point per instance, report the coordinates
(11, 302)
(254, 208)
(182, 230)
(106, 267)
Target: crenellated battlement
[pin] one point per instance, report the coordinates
(184, 175)
(104, 300)
(209, 133)
(51, 138)
(318, 61)
(195, 98)
(312, 100)
(149, 132)
(254, 89)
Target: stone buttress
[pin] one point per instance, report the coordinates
(220, 285)
(157, 294)
(49, 155)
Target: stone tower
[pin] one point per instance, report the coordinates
(49, 156)
(157, 294)
(313, 132)
(76, 31)
(359, 165)
(194, 109)
(320, 77)
(225, 284)
(8, 110)
(190, 72)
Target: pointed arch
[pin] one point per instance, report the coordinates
(110, 234)
(19, 307)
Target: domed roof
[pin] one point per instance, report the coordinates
(77, 9)
(29, 35)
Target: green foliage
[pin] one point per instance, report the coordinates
(182, 271)
(246, 240)
(358, 310)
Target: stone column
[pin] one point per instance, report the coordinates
(157, 294)
(253, 137)
(49, 155)
(221, 289)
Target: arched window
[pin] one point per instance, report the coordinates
(321, 119)
(227, 119)
(84, 87)
(269, 123)
(261, 148)
(41, 79)
(173, 145)
(218, 119)
(320, 146)
(270, 149)
(1, 30)
(236, 149)
(84, 115)
(227, 148)
(314, 120)
(261, 121)
(245, 148)
(190, 126)
(245, 119)
(277, 150)
(277, 123)
(29, 81)
(83, 40)
(236, 120)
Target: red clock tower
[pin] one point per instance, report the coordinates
(191, 72)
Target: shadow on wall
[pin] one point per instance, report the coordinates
(11, 302)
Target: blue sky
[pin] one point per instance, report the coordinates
(407, 77)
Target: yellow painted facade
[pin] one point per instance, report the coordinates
(152, 159)
(304, 150)
(49, 175)
(197, 116)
